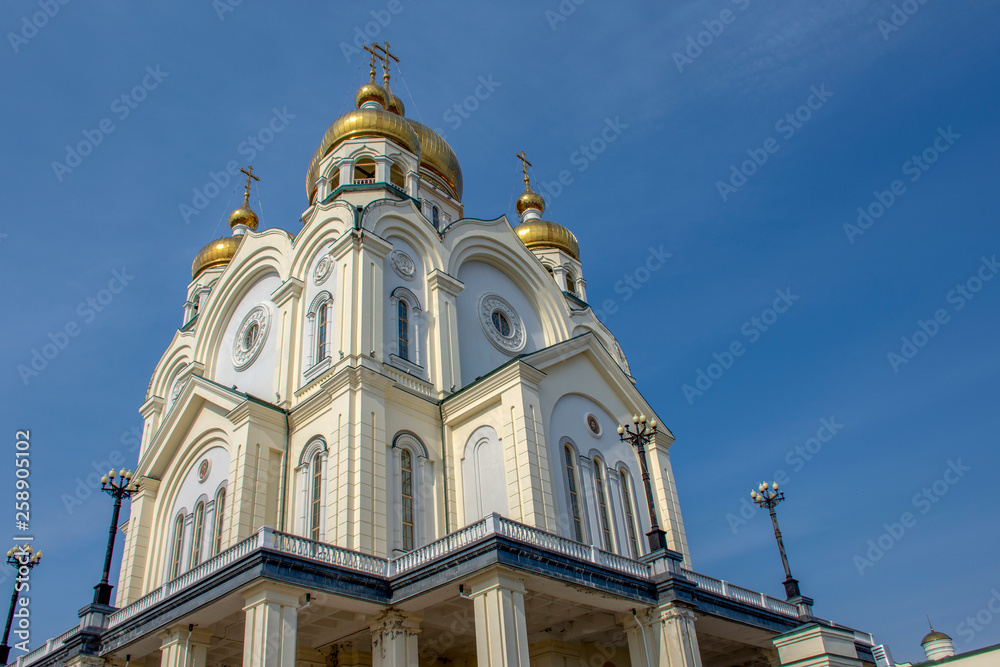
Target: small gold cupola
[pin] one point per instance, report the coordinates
(243, 219)
(371, 94)
(220, 251)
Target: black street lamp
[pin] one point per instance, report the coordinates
(22, 558)
(769, 497)
(123, 488)
(639, 438)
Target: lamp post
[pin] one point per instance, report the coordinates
(20, 557)
(769, 497)
(639, 438)
(122, 488)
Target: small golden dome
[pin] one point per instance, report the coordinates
(216, 253)
(437, 156)
(371, 92)
(546, 234)
(361, 123)
(530, 199)
(243, 215)
(934, 636)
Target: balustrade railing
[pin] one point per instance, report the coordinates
(744, 595)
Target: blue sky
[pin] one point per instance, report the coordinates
(676, 122)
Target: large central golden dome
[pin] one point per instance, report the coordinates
(374, 120)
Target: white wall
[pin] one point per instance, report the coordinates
(258, 378)
(478, 356)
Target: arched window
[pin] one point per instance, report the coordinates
(312, 490)
(406, 328)
(396, 176)
(602, 504)
(176, 548)
(220, 515)
(406, 495)
(435, 217)
(403, 320)
(364, 170)
(570, 282)
(574, 496)
(334, 180)
(197, 534)
(316, 500)
(626, 482)
(409, 485)
(318, 332)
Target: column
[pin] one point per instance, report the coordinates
(501, 635)
(185, 646)
(271, 625)
(663, 637)
(394, 638)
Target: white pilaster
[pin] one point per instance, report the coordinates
(271, 626)
(185, 646)
(501, 633)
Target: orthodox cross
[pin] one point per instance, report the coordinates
(370, 50)
(525, 164)
(246, 194)
(386, 57)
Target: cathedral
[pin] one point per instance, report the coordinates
(402, 437)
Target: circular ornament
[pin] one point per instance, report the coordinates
(175, 391)
(250, 337)
(402, 264)
(501, 323)
(322, 270)
(204, 468)
(594, 426)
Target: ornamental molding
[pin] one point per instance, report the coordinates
(323, 269)
(501, 323)
(250, 336)
(402, 264)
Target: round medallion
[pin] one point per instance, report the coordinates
(501, 323)
(322, 270)
(250, 337)
(594, 426)
(175, 391)
(204, 468)
(402, 264)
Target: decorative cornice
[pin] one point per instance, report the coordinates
(290, 289)
(439, 280)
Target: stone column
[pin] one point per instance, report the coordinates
(185, 646)
(501, 634)
(394, 638)
(818, 645)
(663, 637)
(271, 625)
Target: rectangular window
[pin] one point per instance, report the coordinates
(196, 534)
(406, 464)
(574, 499)
(317, 497)
(321, 333)
(404, 330)
(602, 501)
(220, 507)
(175, 556)
(629, 515)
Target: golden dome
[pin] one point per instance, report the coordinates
(216, 253)
(530, 199)
(546, 234)
(243, 215)
(438, 157)
(371, 92)
(934, 636)
(395, 104)
(361, 123)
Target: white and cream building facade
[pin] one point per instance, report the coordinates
(390, 439)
